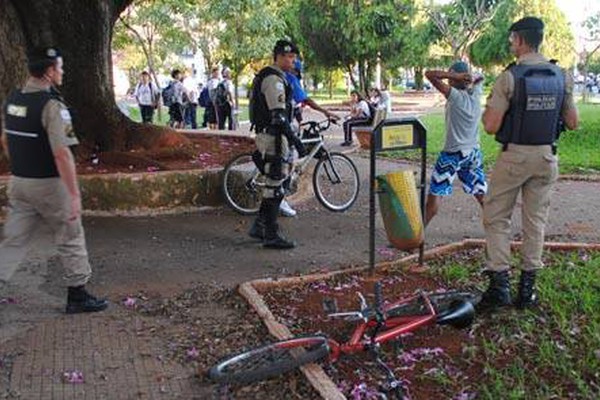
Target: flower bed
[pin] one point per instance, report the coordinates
(434, 362)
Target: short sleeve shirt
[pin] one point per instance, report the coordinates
(56, 119)
(502, 92)
(298, 92)
(363, 110)
(463, 110)
(273, 87)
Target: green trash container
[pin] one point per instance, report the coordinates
(400, 210)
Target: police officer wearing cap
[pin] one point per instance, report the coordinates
(523, 111)
(43, 188)
(271, 112)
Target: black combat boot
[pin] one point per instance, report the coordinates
(80, 301)
(497, 293)
(273, 239)
(527, 295)
(257, 230)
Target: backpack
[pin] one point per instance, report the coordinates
(204, 98)
(221, 95)
(168, 94)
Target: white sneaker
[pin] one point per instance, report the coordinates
(286, 210)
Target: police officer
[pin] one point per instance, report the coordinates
(523, 110)
(271, 115)
(43, 187)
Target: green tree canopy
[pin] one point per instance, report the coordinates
(492, 47)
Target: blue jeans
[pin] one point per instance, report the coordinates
(190, 115)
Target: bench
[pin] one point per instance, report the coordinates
(363, 133)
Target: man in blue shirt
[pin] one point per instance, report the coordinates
(299, 95)
(300, 98)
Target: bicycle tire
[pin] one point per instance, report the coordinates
(270, 360)
(237, 184)
(441, 302)
(335, 175)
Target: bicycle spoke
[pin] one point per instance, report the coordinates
(270, 360)
(336, 182)
(241, 186)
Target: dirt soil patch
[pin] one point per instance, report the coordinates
(416, 358)
(206, 151)
(434, 362)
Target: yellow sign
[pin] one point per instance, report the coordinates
(396, 136)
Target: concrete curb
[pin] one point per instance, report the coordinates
(313, 372)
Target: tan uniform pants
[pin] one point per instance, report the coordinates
(266, 145)
(530, 170)
(31, 203)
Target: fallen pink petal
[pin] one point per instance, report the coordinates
(130, 302)
(73, 377)
(193, 353)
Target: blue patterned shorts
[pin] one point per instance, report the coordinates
(468, 167)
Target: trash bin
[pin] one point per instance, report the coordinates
(400, 210)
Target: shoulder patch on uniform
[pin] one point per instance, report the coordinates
(65, 114)
(16, 111)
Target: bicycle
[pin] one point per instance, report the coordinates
(335, 179)
(378, 324)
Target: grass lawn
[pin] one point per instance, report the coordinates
(579, 150)
(549, 352)
(163, 118)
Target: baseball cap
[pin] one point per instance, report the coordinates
(41, 54)
(527, 23)
(459, 67)
(284, 47)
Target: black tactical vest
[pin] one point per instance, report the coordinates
(28, 144)
(534, 112)
(260, 116)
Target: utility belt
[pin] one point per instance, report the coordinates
(553, 146)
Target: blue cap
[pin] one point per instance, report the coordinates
(459, 67)
(298, 65)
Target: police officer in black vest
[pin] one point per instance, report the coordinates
(525, 109)
(271, 110)
(43, 188)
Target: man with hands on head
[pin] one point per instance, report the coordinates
(461, 155)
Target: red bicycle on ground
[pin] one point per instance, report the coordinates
(377, 324)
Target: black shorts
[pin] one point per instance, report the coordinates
(211, 114)
(176, 112)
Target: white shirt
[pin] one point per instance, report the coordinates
(363, 110)
(191, 85)
(146, 94)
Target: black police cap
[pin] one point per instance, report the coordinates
(41, 54)
(285, 46)
(527, 23)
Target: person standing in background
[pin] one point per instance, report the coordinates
(146, 94)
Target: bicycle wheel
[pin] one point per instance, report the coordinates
(336, 182)
(240, 185)
(442, 303)
(270, 360)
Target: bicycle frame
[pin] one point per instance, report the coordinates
(393, 327)
(300, 167)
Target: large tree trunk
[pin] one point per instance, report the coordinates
(83, 32)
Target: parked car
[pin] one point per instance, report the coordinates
(410, 84)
